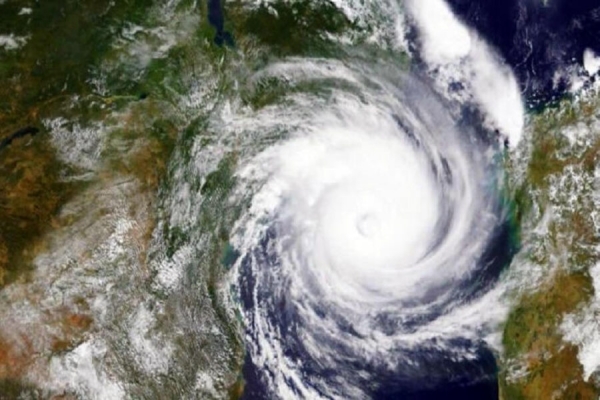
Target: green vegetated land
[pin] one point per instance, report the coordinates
(65, 40)
(558, 186)
(51, 76)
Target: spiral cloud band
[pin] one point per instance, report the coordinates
(369, 216)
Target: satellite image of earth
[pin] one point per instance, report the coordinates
(300, 199)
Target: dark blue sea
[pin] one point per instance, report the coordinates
(439, 376)
(537, 40)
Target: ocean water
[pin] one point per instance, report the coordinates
(541, 42)
(426, 371)
(431, 374)
(484, 389)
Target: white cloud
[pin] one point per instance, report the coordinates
(457, 53)
(12, 42)
(444, 38)
(78, 371)
(583, 329)
(591, 62)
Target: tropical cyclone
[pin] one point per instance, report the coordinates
(367, 230)
(360, 209)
